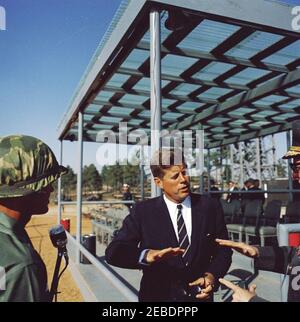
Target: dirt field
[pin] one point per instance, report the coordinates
(38, 230)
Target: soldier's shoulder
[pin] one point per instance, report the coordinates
(13, 253)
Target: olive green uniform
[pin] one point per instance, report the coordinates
(27, 165)
(25, 272)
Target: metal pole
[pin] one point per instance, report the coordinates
(288, 143)
(226, 167)
(208, 170)
(142, 172)
(201, 159)
(241, 165)
(258, 164)
(155, 80)
(274, 156)
(79, 183)
(59, 205)
(231, 163)
(221, 167)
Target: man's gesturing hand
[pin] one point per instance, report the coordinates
(207, 285)
(160, 255)
(242, 248)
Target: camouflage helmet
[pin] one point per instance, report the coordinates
(26, 165)
(294, 150)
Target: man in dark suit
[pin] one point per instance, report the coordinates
(232, 196)
(171, 238)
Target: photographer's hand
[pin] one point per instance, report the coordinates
(239, 294)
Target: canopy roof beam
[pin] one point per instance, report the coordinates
(243, 99)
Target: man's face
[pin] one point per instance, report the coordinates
(175, 183)
(38, 202)
(296, 169)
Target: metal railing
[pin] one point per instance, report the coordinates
(98, 202)
(126, 292)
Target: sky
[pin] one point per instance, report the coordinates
(44, 52)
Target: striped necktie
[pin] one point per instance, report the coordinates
(182, 234)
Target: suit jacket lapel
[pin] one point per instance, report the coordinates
(165, 223)
(197, 224)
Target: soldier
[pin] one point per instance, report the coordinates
(28, 168)
(284, 259)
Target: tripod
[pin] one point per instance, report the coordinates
(61, 251)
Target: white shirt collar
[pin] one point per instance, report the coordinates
(186, 203)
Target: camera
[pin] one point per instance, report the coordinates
(194, 290)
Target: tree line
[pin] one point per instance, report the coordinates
(111, 178)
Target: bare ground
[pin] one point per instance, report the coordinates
(38, 230)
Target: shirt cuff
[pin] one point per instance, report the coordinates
(142, 259)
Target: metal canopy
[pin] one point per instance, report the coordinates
(234, 69)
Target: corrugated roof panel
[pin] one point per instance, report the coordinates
(104, 96)
(184, 89)
(121, 110)
(212, 71)
(176, 65)
(283, 117)
(285, 55)
(189, 106)
(118, 80)
(144, 84)
(253, 44)
(246, 76)
(259, 124)
(208, 35)
(292, 104)
(241, 111)
(133, 99)
(135, 59)
(214, 93)
(271, 99)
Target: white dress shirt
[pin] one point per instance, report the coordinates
(173, 211)
(186, 213)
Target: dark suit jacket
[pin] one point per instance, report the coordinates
(281, 260)
(149, 226)
(233, 196)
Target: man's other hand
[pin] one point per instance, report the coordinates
(163, 254)
(207, 285)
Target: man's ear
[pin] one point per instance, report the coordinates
(158, 182)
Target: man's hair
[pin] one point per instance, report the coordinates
(251, 181)
(256, 182)
(164, 159)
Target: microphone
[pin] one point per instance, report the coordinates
(58, 236)
(59, 240)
